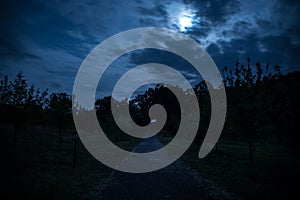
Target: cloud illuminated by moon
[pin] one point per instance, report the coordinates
(185, 22)
(181, 16)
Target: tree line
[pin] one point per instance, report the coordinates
(262, 106)
(24, 106)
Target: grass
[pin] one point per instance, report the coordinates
(273, 174)
(37, 168)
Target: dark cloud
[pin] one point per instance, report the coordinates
(263, 30)
(217, 12)
(49, 39)
(159, 10)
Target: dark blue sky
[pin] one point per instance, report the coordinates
(48, 40)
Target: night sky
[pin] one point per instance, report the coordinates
(48, 40)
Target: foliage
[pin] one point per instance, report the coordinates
(21, 104)
(262, 105)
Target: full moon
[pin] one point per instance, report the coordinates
(185, 22)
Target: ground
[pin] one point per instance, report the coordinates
(36, 167)
(176, 181)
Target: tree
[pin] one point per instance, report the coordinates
(60, 105)
(249, 98)
(22, 105)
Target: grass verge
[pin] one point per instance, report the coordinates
(36, 167)
(273, 174)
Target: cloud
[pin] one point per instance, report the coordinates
(97, 20)
(76, 34)
(49, 39)
(54, 68)
(265, 30)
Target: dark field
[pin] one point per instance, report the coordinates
(272, 175)
(36, 167)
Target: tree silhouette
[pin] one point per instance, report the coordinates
(22, 104)
(258, 99)
(60, 105)
(262, 105)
